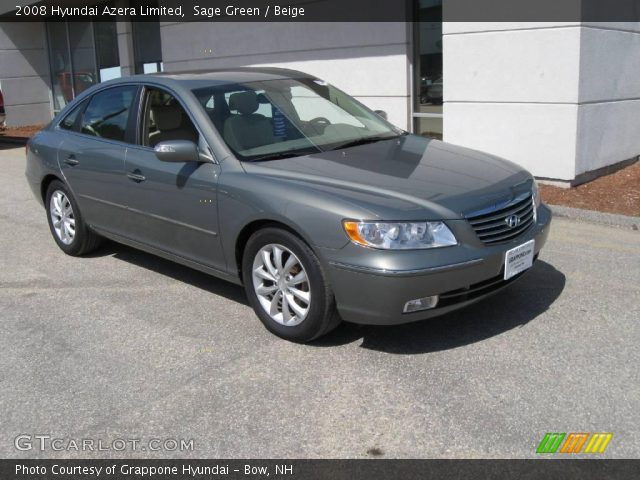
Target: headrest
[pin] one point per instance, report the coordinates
(167, 117)
(244, 102)
(262, 99)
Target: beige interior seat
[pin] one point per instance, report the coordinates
(248, 129)
(170, 122)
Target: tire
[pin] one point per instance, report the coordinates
(70, 232)
(286, 284)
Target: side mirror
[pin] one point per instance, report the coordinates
(179, 151)
(381, 113)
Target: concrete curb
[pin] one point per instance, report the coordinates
(610, 219)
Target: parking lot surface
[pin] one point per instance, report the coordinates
(124, 345)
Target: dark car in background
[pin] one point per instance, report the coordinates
(278, 181)
(435, 92)
(431, 91)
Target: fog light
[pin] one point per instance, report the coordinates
(420, 304)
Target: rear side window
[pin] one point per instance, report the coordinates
(108, 113)
(69, 122)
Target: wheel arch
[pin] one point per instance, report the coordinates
(44, 185)
(251, 228)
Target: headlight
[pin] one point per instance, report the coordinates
(536, 194)
(400, 236)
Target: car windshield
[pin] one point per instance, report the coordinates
(282, 118)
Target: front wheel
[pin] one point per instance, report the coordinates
(287, 287)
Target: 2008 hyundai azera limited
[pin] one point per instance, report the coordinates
(278, 181)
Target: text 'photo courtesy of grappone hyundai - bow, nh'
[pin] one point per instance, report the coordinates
(277, 181)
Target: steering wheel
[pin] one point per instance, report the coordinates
(319, 123)
(89, 128)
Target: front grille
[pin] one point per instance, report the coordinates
(491, 227)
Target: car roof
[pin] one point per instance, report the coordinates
(194, 79)
(220, 76)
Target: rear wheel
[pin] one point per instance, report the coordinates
(286, 286)
(69, 231)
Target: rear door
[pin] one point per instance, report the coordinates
(172, 206)
(92, 153)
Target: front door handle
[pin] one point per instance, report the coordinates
(71, 160)
(136, 177)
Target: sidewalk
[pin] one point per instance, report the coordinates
(591, 216)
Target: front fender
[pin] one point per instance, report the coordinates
(244, 198)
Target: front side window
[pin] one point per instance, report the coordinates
(108, 113)
(164, 119)
(282, 118)
(69, 122)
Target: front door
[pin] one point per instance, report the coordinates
(172, 206)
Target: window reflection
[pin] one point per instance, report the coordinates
(106, 40)
(147, 49)
(60, 64)
(81, 54)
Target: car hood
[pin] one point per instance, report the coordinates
(408, 173)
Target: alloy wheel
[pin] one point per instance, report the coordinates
(62, 218)
(281, 284)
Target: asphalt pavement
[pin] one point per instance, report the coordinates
(122, 345)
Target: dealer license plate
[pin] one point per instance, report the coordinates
(518, 259)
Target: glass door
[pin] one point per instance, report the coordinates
(427, 69)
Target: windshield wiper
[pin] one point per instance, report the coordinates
(281, 155)
(364, 141)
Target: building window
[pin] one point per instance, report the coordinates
(60, 64)
(147, 49)
(81, 54)
(107, 55)
(428, 82)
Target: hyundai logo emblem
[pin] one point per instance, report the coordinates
(512, 221)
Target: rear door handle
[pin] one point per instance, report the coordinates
(136, 177)
(71, 160)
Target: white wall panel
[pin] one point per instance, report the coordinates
(607, 133)
(541, 138)
(609, 65)
(513, 66)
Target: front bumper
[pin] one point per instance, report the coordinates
(372, 286)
